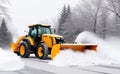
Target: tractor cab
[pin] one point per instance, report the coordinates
(36, 31)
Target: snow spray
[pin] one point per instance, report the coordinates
(107, 53)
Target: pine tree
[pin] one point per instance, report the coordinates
(5, 35)
(64, 14)
(63, 17)
(65, 27)
(62, 20)
(68, 11)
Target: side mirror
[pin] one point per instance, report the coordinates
(26, 32)
(53, 30)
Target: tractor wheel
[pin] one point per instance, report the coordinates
(24, 50)
(42, 51)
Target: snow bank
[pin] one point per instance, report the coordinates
(69, 57)
(10, 61)
(107, 53)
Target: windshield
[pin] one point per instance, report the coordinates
(44, 30)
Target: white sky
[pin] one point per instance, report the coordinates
(34, 11)
(25, 12)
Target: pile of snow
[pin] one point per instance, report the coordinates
(107, 53)
(10, 61)
(69, 57)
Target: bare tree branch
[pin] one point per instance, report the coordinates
(111, 11)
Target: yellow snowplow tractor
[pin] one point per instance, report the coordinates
(43, 43)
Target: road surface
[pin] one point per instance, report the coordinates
(36, 66)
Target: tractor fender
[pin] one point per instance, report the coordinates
(28, 42)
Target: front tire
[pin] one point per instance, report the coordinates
(42, 51)
(24, 50)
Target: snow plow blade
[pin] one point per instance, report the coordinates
(75, 47)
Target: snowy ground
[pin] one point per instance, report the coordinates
(9, 61)
(36, 66)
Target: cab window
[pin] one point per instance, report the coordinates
(46, 30)
(33, 32)
(39, 31)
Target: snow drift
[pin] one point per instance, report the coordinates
(107, 53)
(10, 61)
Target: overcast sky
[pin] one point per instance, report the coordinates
(35, 11)
(25, 12)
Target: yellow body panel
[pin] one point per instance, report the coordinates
(49, 39)
(46, 25)
(20, 39)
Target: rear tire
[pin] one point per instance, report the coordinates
(24, 50)
(42, 51)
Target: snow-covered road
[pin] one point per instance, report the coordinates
(36, 66)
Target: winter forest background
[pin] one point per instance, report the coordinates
(99, 16)
(5, 25)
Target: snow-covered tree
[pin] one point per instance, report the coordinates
(65, 27)
(5, 33)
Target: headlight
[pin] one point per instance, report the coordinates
(58, 38)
